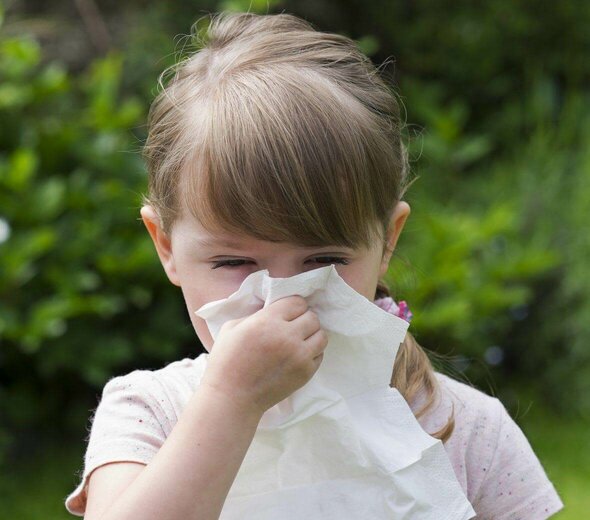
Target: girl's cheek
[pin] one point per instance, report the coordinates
(208, 287)
(203, 333)
(229, 279)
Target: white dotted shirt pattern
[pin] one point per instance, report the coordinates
(493, 461)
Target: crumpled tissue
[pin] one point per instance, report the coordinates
(346, 445)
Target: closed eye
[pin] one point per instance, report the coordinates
(229, 263)
(319, 260)
(330, 260)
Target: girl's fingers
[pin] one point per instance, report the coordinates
(306, 325)
(317, 343)
(290, 307)
(317, 361)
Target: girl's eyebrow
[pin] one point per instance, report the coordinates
(216, 242)
(211, 242)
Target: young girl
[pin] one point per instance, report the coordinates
(276, 147)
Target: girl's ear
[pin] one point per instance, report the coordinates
(394, 229)
(161, 241)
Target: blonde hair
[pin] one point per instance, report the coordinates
(284, 133)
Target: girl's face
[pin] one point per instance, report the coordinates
(209, 267)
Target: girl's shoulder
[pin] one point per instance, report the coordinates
(493, 460)
(144, 398)
(478, 419)
(466, 402)
(136, 413)
(166, 390)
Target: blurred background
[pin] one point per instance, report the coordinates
(494, 260)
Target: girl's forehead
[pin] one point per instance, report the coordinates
(232, 242)
(249, 243)
(192, 233)
(215, 233)
(191, 230)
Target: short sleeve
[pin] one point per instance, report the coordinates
(127, 426)
(515, 486)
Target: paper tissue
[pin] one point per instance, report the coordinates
(346, 445)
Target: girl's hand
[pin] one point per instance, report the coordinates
(260, 360)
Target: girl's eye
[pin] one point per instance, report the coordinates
(330, 260)
(320, 260)
(229, 263)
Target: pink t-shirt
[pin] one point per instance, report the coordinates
(492, 459)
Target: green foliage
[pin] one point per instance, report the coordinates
(498, 254)
(470, 270)
(554, 194)
(79, 275)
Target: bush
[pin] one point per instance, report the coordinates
(79, 278)
(498, 252)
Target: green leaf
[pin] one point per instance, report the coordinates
(22, 166)
(18, 57)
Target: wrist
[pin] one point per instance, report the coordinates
(231, 402)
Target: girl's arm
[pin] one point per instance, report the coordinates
(255, 363)
(191, 474)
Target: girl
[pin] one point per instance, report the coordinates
(276, 147)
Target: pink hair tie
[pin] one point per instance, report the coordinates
(400, 310)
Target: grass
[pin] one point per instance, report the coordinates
(563, 446)
(37, 489)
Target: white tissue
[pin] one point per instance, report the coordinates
(345, 445)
